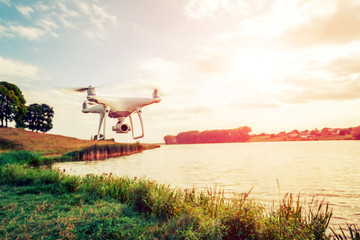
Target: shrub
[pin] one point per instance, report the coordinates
(70, 183)
(356, 134)
(20, 157)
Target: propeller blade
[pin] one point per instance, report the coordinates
(80, 89)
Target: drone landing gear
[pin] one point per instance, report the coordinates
(138, 111)
(103, 117)
(101, 137)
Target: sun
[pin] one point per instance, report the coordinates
(259, 68)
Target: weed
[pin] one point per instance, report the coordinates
(353, 233)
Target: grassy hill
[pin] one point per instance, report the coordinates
(45, 144)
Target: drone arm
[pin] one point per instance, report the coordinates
(142, 125)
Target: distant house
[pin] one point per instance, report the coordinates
(304, 134)
(334, 131)
(293, 134)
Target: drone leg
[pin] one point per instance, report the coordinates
(142, 125)
(100, 123)
(107, 109)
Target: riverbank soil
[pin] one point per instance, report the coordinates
(49, 145)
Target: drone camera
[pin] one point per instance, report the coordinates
(121, 128)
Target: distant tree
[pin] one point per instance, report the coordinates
(240, 134)
(12, 104)
(39, 118)
(356, 133)
(325, 132)
(169, 139)
(187, 137)
(344, 132)
(315, 132)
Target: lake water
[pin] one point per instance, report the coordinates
(328, 170)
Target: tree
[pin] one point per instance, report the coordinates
(344, 132)
(39, 117)
(240, 134)
(356, 133)
(12, 104)
(169, 139)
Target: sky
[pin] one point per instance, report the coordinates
(272, 65)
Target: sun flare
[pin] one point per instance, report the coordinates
(258, 69)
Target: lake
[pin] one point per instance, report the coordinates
(327, 170)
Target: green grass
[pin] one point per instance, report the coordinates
(30, 212)
(37, 201)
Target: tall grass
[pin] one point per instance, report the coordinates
(352, 232)
(20, 157)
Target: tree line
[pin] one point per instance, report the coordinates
(35, 117)
(240, 134)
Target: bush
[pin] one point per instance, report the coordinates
(20, 157)
(70, 184)
(356, 134)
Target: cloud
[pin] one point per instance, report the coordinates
(337, 27)
(51, 18)
(5, 32)
(65, 11)
(6, 2)
(99, 17)
(48, 25)
(25, 10)
(43, 7)
(158, 73)
(344, 66)
(254, 104)
(31, 33)
(258, 60)
(14, 70)
(203, 9)
(347, 90)
(213, 63)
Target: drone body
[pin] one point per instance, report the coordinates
(116, 107)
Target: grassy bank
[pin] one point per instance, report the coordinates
(51, 145)
(38, 201)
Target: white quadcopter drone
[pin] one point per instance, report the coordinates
(116, 107)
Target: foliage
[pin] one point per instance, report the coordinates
(39, 117)
(12, 104)
(240, 134)
(356, 133)
(20, 157)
